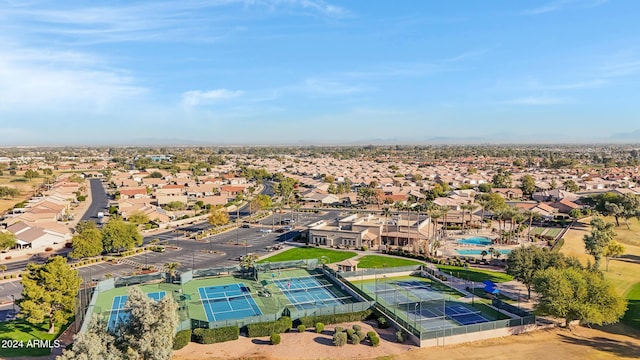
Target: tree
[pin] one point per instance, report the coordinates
(30, 174)
(502, 179)
(612, 251)
(285, 189)
(49, 292)
(218, 217)
(595, 242)
(148, 332)
(95, 343)
(523, 263)
(261, 202)
(138, 218)
(578, 294)
(118, 235)
(172, 267)
(571, 186)
(87, 241)
(155, 175)
(7, 240)
(528, 185)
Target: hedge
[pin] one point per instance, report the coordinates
(212, 336)
(310, 321)
(267, 328)
(181, 339)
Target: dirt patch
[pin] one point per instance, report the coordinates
(582, 343)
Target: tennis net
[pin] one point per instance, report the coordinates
(218, 297)
(301, 289)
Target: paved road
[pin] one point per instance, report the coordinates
(99, 200)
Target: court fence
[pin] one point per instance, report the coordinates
(413, 327)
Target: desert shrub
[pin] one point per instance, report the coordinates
(371, 334)
(181, 339)
(356, 327)
(309, 321)
(301, 328)
(338, 329)
(375, 341)
(400, 336)
(355, 339)
(319, 327)
(274, 339)
(339, 338)
(361, 335)
(382, 322)
(350, 333)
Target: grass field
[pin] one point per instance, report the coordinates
(22, 331)
(623, 272)
(632, 317)
(476, 275)
(310, 253)
(378, 261)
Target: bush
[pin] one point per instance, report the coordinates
(302, 328)
(350, 333)
(400, 336)
(338, 329)
(181, 339)
(267, 328)
(356, 327)
(339, 338)
(319, 327)
(375, 341)
(212, 336)
(361, 335)
(310, 321)
(382, 322)
(371, 334)
(355, 339)
(274, 339)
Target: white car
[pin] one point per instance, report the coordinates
(264, 230)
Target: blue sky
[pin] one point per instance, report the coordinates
(316, 71)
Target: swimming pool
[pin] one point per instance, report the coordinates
(479, 252)
(476, 240)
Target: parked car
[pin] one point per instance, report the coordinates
(265, 230)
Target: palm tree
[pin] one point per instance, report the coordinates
(172, 267)
(484, 204)
(484, 253)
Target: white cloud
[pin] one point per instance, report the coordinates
(197, 97)
(326, 87)
(149, 21)
(52, 79)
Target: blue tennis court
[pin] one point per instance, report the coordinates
(464, 316)
(226, 302)
(308, 292)
(119, 314)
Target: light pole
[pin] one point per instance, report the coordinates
(193, 259)
(13, 304)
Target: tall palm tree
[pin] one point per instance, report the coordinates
(386, 213)
(484, 204)
(172, 267)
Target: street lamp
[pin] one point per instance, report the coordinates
(13, 305)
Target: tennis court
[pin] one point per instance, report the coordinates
(119, 314)
(431, 317)
(226, 302)
(308, 292)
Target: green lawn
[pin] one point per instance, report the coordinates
(309, 253)
(377, 261)
(632, 317)
(22, 331)
(477, 275)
